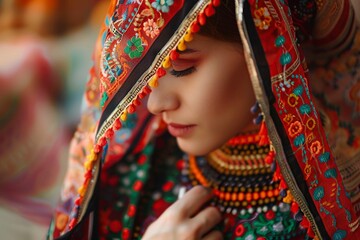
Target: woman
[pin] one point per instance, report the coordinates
(204, 65)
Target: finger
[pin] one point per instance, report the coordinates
(192, 201)
(213, 235)
(206, 220)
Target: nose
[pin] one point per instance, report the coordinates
(163, 98)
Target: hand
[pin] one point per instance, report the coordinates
(186, 219)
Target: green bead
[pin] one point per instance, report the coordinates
(280, 40)
(285, 58)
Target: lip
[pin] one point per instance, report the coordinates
(180, 130)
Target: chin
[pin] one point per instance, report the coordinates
(198, 149)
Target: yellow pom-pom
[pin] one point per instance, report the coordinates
(82, 191)
(188, 37)
(166, 63)
(92, 156)
(88, 165)
(123, 116)
(181, 46)
(154, 81)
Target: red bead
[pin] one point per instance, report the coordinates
(131, 211)
(168, 186)
(117, 124)
(126, 233)
(180, 164)
(141, 95)
(260, 238)
(115, 226)
(142, 159)
(138, 185)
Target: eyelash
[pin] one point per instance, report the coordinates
(183, 73)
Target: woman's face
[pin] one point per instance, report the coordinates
(205, 98)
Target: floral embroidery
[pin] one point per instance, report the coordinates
(134, 48)
(293, 100)
(163, 5)
(315, 148)
(295, 128)
(262, 18)
(289, 118)
(151, 28)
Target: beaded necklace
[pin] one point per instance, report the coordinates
(238, 174)
(241, 176)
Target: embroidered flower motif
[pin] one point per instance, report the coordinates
(315, 148)
(289, 118)
(311, 123)
(293, 100)
(134, 48)
(295, 128)
(151, 28)
(163, 5)
(262, 18)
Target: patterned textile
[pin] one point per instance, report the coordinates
(316, 140)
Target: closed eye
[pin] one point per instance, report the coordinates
(183, 73)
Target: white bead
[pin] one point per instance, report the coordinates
(243, 212)
(259, 210)
(265, 209)
(251, 210)
(274, 208)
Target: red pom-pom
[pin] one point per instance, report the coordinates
(102, 141)
(174, 55)
(161, 71)
(195, 27)
(131, 108)
(136, 102)
(147, 90)
(202, 19)
(78, 201)
(209, 10)
(117, 124)
(109, 133)
(88, 174)
(97, 148)
(216, 3)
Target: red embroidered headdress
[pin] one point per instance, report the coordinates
(141, 37)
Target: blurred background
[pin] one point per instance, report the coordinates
(45, 56)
